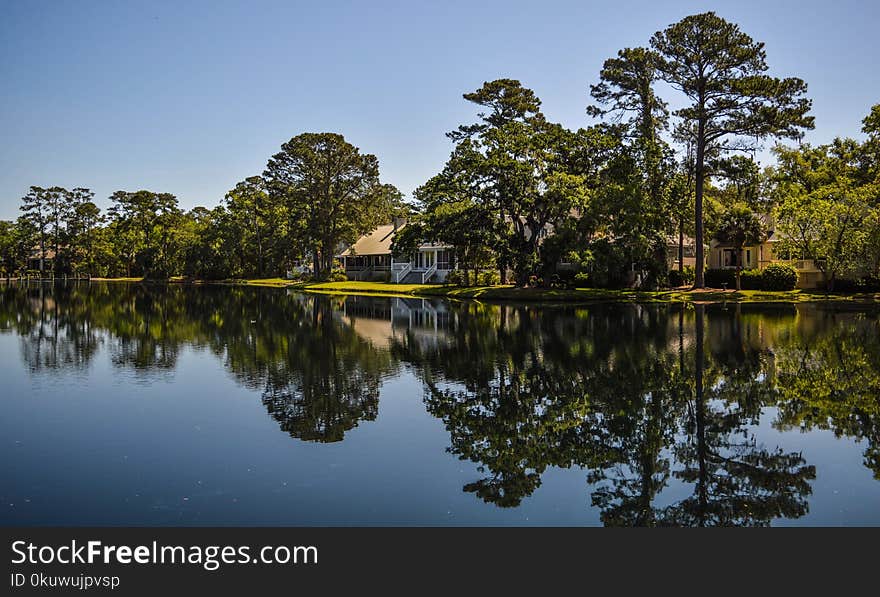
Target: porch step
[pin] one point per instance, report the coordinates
(412, 278)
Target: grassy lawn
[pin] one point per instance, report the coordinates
(546, 295)
(370, 288)
(510, 293)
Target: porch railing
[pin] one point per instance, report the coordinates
(400, 274)
(428, 273)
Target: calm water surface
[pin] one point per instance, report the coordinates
(153, 405)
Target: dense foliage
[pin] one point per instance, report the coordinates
(779, 276)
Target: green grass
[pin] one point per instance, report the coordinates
(510, 293)
(368, 288)
(548, 295)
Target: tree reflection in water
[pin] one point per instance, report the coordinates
(649, 397)
(317, 376)
(657, 404)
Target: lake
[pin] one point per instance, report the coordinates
(129, 404)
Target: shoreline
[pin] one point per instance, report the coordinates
(530, 295)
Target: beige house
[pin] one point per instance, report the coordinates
(370, 258)
(725, 256)
(689, 251)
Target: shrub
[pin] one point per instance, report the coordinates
(681, 278)
(750, 279)
(456, 277)
(866, 284)
(581, 280)
(715, 278)
(489, 278)
(690, 274)
(563, 278)
(557, 282)
(778, 276)
(869, 284)
(337, 276)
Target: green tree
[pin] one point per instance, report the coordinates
(38, 208)
(740, 226)
(830, 225)
(212, 251)
(451, 215)
(828, 208)
(636, 191)
(721, 70)
(331, 193)
(527, 172)
(145, 221)
(81, 220)
(626, 87)
(254, 218)
(871, 152)
(13, 247)
(58, 202)
(743, 180)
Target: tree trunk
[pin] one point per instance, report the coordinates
(698, 205)
(259, 253)
(739, 267)
(681, 247)
(55, 262)
(42, 254)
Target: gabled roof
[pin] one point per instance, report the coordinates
(672, 240)
(47, 254)
(377, 242)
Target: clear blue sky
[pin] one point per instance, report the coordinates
(191, 97)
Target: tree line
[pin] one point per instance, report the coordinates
(316, 193)
(521, 194)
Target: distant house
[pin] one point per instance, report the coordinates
(370, 258)
(723, 255)
(689, 252)
(47, 255)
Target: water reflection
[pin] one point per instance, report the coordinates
(657, 405)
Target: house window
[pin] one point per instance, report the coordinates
(444, 259)
(728, 258)
(748, 256)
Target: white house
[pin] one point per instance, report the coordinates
(370, 258)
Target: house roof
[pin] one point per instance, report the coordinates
(47, 254)
(377, 242)
(672, 240)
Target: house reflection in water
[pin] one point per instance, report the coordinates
(382, 321)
